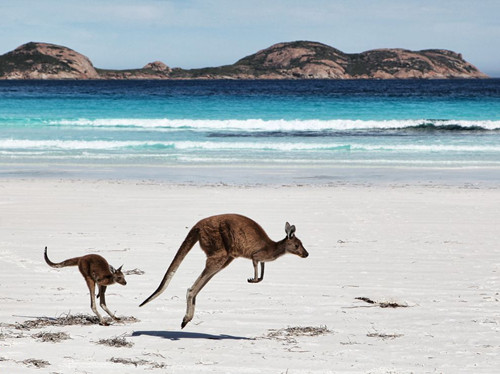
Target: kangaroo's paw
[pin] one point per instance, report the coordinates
(254, 280)
(184, 323)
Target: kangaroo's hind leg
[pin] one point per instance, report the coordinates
(102, 296)
(256, 278)
(91, 286)
(212, 267)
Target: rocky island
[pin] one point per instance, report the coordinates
(291, 60)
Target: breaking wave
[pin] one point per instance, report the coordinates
(260, 125)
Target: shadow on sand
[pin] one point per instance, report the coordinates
(178, 335)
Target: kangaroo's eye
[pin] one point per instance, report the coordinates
(296, 246)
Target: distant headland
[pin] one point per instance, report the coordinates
(291, 60)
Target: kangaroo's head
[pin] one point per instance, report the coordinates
(293, 244)
(118, 276)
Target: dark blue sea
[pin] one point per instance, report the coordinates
(269, 125)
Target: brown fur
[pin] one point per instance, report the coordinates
(224, 238)
(96, 271)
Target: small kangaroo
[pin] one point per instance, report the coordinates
(223, 238)
(95, 270)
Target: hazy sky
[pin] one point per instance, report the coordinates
(198, 33)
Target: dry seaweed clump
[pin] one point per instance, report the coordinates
(67, 320)
(136, 363)
(134, 272)
(117, 341)
(11, 335)
(383, 336)
(36, 362)
(290, 333)
(382, 304)
(52, 337)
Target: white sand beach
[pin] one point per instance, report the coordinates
(431, 251)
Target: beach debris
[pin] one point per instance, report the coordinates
(52, 337)
(289, 334)
(383, 336)
(36, 362)
(136, 363)
(134, 272)
(365, 299)
(382, 304)
(67, 320)
(117, 341)
(206, 363)
(128, 319)
(389, 304)
(11, 335)
(349, 342)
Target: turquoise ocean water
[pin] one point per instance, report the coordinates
(313, 126)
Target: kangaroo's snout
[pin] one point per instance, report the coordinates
(304, 254)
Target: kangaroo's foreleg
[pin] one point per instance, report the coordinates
(102, 292)
(256, 278)
(212, 267)
(91, 286)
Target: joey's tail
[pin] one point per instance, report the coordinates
(69, 262)
(188, 243)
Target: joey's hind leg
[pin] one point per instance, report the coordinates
(256, 278)
(102, 295)
(91, 286)
(212, 267)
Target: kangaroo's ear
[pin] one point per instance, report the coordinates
(119, 269)
(289, 229)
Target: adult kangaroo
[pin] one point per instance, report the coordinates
(96, 271)
(223, 238)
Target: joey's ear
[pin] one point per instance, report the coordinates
(289, 229)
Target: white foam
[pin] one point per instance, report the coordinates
(72, 144)
(268, 125)
(69, 145)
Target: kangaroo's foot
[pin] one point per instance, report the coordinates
(254, 280)
(109, 313)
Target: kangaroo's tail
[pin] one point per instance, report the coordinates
(188, 243)
(69, 262)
